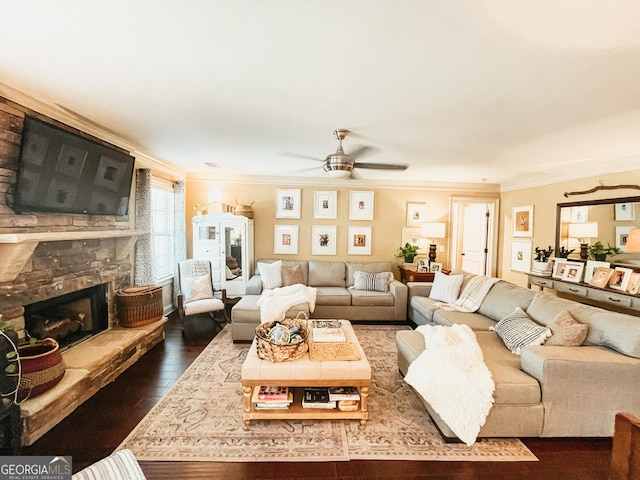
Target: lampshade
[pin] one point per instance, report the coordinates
(433, 230)
(583, 230)
(633, 240)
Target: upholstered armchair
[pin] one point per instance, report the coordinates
(197, 293)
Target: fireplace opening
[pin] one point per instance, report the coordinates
(69, 318)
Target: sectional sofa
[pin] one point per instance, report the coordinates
(547, 390)
(337, 296)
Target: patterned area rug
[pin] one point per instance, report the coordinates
(200, 419)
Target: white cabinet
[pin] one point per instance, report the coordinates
(226, 240)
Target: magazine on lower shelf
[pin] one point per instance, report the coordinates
(344, 393)
(271, 398)
(317, 398)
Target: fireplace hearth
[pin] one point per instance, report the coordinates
(69, 318)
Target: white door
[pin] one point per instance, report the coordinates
(474, 239)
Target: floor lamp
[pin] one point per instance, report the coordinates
(431, 231)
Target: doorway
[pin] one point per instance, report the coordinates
(474, 235)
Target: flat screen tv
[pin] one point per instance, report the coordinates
(61, 172)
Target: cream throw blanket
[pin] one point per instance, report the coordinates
(275, 303)
(472, 295)
(450, 374)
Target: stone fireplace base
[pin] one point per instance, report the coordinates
(91, 365)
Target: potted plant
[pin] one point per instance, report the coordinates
(541, 260)
(408, 252)
(599, 252)
(564, 253)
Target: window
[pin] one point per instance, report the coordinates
(162, 230)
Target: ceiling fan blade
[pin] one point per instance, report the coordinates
(381, 166)
(363, 151)
(300, 155)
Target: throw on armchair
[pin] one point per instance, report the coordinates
(197, 293)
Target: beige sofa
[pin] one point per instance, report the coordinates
(547, 391)
(335, 296)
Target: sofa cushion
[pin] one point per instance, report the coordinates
(446, 288)
(326, 274)
(375, 282)
(618, 331)
(503, 298)
(566, 331)
(517, 331)
(425, 306)
(371, 298)
(332, 296)
(292, 275)
(369, 267)
(271, 274)
(196, 288)
(473, 320)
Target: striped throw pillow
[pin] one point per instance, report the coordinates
(374, 282)
(271, 274)
(446, 288)
(517, 331)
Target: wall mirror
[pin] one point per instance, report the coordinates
(608, 221)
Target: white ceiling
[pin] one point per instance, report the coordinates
(500, 92)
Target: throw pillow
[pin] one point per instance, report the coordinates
(446, 288)
(517, 331)
(566, 331)
(271, 274)
(374, 282)
(292, 275)
(197, 288)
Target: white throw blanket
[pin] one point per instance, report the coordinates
(472, 295)
(450, 374)
(275, 303)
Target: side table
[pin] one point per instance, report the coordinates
(408, 274)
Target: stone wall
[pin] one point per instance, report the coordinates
(57, 267)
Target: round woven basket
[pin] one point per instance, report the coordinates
(41, 367)
(268, 350)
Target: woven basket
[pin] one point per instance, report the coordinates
(268, 350)
(41, 367)
(138, 306)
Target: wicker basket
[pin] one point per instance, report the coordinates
(269, 350)
(138, 306)
(41, 367)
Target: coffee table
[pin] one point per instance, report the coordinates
(301, 373)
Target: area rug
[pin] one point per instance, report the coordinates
(200, 419)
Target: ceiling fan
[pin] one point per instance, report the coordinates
(341, 164)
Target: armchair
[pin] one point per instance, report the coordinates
(197, 294)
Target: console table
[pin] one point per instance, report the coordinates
(586, 293)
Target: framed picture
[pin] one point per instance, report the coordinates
(361, 205)
(559, 267)
(423, 269)
(579, 214)
(573, 272)
(323, 239)
(288, 203)
(523, 221)
(416, 213)
(620, 278)
(359, 241)
(621, 237)
(601, 277)
(71, 161)
(435, 267)
(591, 267)
(422, 261)
(325, 204)
(411, 235)
(285, 239)
(109, 173)
(624, 211)
(521, 255)
(634, 283)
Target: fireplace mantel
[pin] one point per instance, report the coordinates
(17, 248)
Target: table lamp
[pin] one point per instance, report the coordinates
(633, 240)
(583, 232)
(431, 231)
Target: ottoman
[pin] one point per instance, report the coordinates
(245, 317)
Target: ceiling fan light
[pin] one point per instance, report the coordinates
(338, 173)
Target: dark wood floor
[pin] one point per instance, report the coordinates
(97, 427)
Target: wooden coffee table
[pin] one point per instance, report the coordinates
(303, 372)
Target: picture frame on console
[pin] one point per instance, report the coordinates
(559, 268)
(591, 267)
(435, 267)
(601, 277)
(285, 239)
(573, 272)
(634, 283)
(620, 278)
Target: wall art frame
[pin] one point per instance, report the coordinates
(522, 221)
(325, 204)
(324, 239)
(285, 239)
(359, 241)
(521, 255)
(416, 214)
(288, 203)
(361, 205)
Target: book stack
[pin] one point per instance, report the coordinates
(346, 398)
(317, 398)
(271, 398)
(327, 331)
